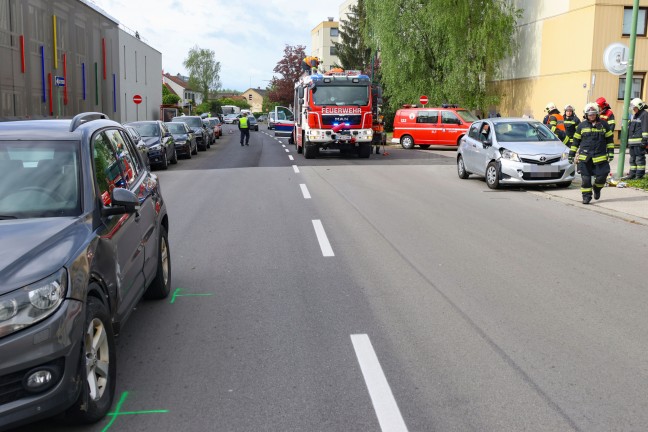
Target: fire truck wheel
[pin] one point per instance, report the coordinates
(310, 151)
(364, 151)
(407, 142)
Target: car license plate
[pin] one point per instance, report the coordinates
(542, 170)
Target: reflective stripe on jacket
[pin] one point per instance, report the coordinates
(595, 141)
(638, 129)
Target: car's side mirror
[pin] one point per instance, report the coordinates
(122, 201)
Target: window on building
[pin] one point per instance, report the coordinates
(333, 51)
(335, 32)
(637, 86)
(250, 96)
(641, 21)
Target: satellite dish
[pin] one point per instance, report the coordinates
(615, 58)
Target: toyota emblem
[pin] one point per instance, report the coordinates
(543, 159)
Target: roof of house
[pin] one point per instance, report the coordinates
(259, 91)
(176, 79)
(170, 89)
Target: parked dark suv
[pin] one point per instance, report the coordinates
(83, 231)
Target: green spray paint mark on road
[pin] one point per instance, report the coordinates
(176, 294)
(118, 412)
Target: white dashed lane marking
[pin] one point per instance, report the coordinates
(296, 169)
(290, 157)
(389, 416)
(305, 192)
(325, 246)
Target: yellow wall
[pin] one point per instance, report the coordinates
(561, 50)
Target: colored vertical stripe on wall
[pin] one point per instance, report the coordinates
(96, 84)
(83, 80)
(22, 53)
(54, 33)
(43, 71)
(65, 98)
(103, 56)
(114, 93)
(49, 89)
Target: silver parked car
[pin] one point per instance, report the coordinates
(514, 151)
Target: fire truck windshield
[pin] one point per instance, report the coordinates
(341, 95)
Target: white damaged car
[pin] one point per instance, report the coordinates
(514, 151)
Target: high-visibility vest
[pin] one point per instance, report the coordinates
(559, 123)
(243, 122)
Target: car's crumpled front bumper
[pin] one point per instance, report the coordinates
(513, 172)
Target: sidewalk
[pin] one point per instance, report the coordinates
(625, 203)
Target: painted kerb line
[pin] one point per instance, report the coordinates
(327, 250)
(305, 192)
(389, 416)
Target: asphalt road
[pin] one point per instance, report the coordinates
(385, 294)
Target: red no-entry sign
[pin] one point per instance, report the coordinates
(137, 99)
(423, 100)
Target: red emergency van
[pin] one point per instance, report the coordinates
(424, 127)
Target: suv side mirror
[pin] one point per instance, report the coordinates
(123, 201)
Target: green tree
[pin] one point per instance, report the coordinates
(353, 52)
(446, 53)
(204, 70)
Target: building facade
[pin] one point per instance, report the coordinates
(254, 97)
(66, 57)
(560, 56)
(180, 86)
(322, 38)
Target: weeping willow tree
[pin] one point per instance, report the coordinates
(445, 49)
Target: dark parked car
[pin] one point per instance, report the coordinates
(216, 125)
(252, 122)
(139, 143)
(185, 140)
(159, 141)
(195, 123)
(84, 236)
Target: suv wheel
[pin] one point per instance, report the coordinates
(407, 142)
(98, 366)
(161, 285)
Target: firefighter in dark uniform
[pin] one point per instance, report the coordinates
(638, 139)
(606, 113)
(571, 122)
(593, 140)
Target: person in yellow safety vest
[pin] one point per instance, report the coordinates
(593, 140)
(555, 120)
(638, 139)
(571, 122)
(310, 63)
(244, 127)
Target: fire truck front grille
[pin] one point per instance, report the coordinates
(333, 119)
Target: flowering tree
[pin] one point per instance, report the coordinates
(289, 67)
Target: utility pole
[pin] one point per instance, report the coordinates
(628, 90)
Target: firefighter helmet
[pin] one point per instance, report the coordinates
(637, 103)
(550, 107)
(591, 108)
(569, 107)
(601, 102)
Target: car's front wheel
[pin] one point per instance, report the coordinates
(492, 175)
(407, 142)
(165, 161)
(98, 366)
(174, 158)
(461, 168)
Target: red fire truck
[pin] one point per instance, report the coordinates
(334, 111)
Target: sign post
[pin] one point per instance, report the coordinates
(137, 99)
(423, 100)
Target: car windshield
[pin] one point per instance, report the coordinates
(40, 179)
(147, 129)
(466, 116)
(191, 121)
(523, 132)
(176, 128)
(341, 95)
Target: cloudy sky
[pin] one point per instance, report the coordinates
(248, 37)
